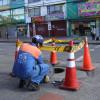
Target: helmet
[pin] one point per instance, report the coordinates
(38, 40)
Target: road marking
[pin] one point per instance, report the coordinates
(97, 46)
(91, 49)
(79, 58)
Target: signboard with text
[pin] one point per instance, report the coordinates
(37, 19)
(59, 16)
(89, 9)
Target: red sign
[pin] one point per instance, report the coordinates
(37, 19)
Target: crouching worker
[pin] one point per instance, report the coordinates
(29, 66)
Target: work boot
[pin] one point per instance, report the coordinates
(46, 79)
(97, 39)
(21, 83)
(34, 86)
(12, 74)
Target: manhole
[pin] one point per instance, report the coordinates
(58, 70)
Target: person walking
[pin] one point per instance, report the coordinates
(97, 34)
(93, 32)
(53, 32)
(29, 65)
(7, 35)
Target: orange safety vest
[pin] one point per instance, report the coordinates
(30, 49)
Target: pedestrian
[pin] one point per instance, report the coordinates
(7, 35)
(29, 65)
(0, 34)
(81, 30)
(53, 32)
(97, 34)
(93, 32)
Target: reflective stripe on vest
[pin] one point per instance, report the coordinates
(31, 49)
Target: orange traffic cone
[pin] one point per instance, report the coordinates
(70, 82)
(87, 65)
(53, 56)
(53, 39)
(53, 44)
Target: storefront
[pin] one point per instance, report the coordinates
(11, 16)
(40, 26)
(58, 22)
(21, 30)
(91, 10)
(83, 16)
(60, 26)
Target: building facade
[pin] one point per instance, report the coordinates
(82, 15)
(46, 17)
(12, 18)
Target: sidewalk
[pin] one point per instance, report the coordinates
(12, 40)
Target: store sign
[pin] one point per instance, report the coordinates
(49, 25)
(51, 17)
(89, 9)
(37, 19)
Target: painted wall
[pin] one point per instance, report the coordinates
(72, 11)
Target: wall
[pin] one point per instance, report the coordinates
(16, 3)
(72, 11)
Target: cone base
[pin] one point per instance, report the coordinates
(88, 69)
(54, 64)
(74, 88)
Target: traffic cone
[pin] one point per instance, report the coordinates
(70, 82)
(53, 39)
(87, 64)
(53, 56)
(53, 44)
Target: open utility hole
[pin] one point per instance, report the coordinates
(58, 70)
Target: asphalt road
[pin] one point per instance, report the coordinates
(89, 83)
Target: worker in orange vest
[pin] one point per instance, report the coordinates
(29, 66)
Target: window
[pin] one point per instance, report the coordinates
(1, 18)
(0, 2)
(18, 11)
(6, 13)
(18, 14)
(54, 9)
(5, 16)
(34, 12)
(32, 1)
(6, 2)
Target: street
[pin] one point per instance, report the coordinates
(89, 84)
